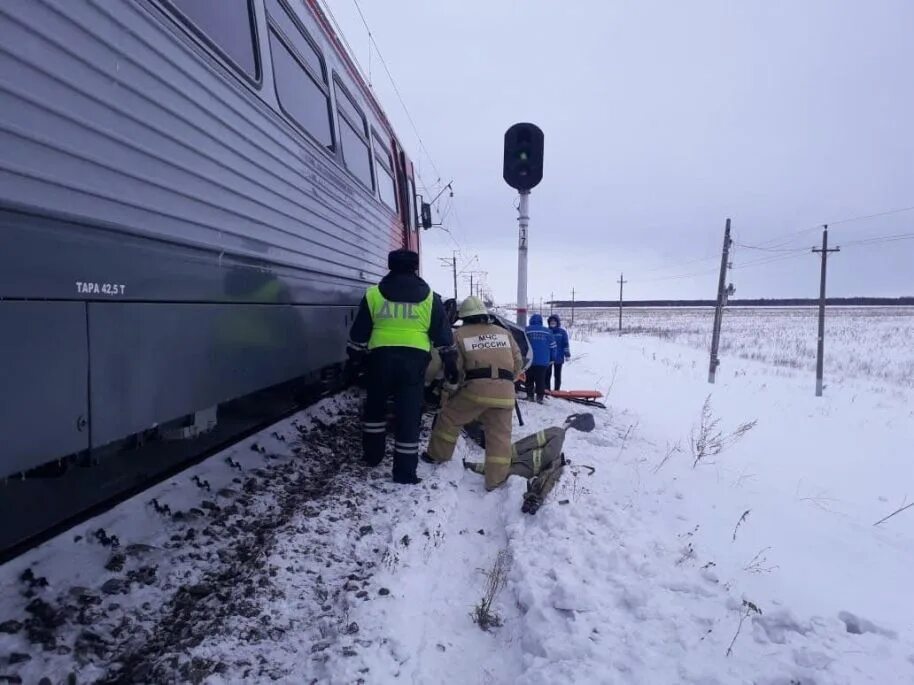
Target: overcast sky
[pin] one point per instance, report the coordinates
(661, 119)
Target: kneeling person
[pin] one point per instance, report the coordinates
(490, 361)
(539, 459)
(540, 451)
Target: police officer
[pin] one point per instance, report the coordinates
(490, 361)
(398, 322)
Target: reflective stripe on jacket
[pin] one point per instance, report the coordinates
(399, 324)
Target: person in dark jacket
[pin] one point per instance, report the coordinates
(398, 323)
(562, 352)
(543, 344)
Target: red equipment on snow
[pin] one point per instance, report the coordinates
(588, 397)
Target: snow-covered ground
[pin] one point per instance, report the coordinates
(862, 343)
(760, 564)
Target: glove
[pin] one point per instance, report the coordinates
(451, 372)
(354, 364)
(568, 356)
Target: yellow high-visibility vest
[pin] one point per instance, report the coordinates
(399, 324)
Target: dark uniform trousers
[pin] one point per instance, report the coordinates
(397, 371)
(557, 370)
(536, 381)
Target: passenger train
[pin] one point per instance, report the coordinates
(193, 198)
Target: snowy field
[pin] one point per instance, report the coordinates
(867, 343)
(757, 564)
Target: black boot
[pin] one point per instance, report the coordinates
(407, 479)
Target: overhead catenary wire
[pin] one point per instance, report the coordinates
(452, 206)
(396, 88)
(368, 79)
(429, 189)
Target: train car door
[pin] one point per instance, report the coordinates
(407, 185)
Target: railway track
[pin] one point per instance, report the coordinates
(247, 559)
(45, 504)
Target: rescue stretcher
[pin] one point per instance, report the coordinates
(587, 397)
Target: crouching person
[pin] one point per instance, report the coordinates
(535, 453)
(540, 460)
(490, 361)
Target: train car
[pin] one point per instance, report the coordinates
(193, 198)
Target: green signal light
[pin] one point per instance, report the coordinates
(523, 156)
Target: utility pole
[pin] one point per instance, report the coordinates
(820, 352)
(621, 282)
(572, 307)
(452, 263)
(551, 303)
(719, 310)
(523, 220)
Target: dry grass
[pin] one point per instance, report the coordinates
(708, 439)
(496, 577)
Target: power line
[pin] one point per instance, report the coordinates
(875, 240)
(429, 190)
(342, 35)
(870, 216)
(680, 276)
(677, 265)
(783, 245)
(771, 260)
(396, 89)
(769, 249)
(758, 262)
(793, 235)
(361, 70)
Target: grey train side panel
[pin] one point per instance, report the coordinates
(107, 115)
(43, 382)
(43, 258)
(172, 206)
(142, 352)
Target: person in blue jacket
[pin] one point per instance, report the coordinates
(562, 352)
(542, 343)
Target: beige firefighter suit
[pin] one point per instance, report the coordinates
(489, 360)
(532, 454)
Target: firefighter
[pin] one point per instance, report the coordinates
(398, 323)
(539, 451)
(490, 361)
(539, 459)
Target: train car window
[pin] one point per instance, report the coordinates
(299, 75)
(385, 167)
(227, 26)
(353, 137)
(382, 153)
(350, 110)
(411, 193)
(297, 38)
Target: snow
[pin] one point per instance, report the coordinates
(760, 564)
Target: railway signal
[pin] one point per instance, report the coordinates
(523, 170)
(523, 164)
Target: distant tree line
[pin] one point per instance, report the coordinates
(763, 302)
